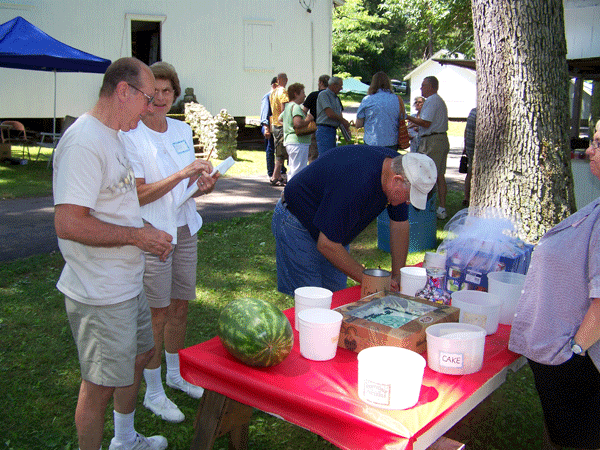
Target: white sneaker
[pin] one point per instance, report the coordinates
(190, 389)
(165, 409)
(140, 443)
(441, 213)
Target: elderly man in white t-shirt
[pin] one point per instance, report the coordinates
(102, 238)
(433, 127)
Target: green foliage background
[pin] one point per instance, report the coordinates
(397, 35)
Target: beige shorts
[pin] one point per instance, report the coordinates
(436, 147)
(313, 151)
(280, 151)
(175, 277)
(108, 338)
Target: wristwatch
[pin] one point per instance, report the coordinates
(576, 348)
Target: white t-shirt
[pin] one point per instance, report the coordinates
(91, 169)
(154, 156)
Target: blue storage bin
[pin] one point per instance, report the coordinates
(423, 227)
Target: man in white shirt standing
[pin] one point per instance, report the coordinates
(102, 238)
(433, 127)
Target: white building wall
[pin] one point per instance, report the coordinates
(214, 45)
(582, 28)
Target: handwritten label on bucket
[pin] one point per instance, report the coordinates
(377, 393)
(475, 319)
(453, 360)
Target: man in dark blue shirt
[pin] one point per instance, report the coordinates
(328, 204)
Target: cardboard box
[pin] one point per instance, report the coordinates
(388, 318)
(5, 151)
(474, 275)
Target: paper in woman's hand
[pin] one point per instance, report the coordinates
(221, 168)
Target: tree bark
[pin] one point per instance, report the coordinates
(522, 160)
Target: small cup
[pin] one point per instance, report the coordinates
(374, 280)
(412, 279)
(310, 297)
(319, 333)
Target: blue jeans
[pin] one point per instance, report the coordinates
(270, 151)
(299, 263)
(326, 138)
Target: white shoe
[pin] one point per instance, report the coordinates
(140, 443)
(165, 409)
(441, 213)
(190, 389)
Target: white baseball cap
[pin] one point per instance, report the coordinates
(421, 174)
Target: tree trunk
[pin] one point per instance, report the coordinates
(522, 155)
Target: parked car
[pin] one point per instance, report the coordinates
(400, 86)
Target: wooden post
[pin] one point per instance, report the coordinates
(218, 415)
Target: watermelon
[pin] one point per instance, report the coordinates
(255, 332)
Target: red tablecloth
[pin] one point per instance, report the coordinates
(322, 396)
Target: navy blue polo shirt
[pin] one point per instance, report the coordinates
(340, 193)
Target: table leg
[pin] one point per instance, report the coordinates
(218, 415)
(445, 443)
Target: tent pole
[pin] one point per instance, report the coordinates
(54, 120)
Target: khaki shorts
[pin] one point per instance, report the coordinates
(436, 146)
(280, 151)
(108, 338)
(313, 151)
(175, 277)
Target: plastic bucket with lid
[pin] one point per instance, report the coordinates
(507, 286)
(390, 377)
(478, 308)
(434, 260)
(455, 348)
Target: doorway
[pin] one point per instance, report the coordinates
(145, 41)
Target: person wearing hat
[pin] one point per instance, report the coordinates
(329, 203)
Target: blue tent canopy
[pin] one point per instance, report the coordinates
(24, 46)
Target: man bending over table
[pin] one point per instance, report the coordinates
(329, 203)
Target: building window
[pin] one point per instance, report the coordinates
(258, 46)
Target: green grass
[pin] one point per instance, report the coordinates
(40, 372)
(34, 179)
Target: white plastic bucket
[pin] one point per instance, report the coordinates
(319, 333)
(507, 286)
(478, 308)
(455, 348)
(390, 377)
(310, 297)
(434, 260)
(412, 279)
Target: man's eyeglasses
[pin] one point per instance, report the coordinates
(595, 145)
(148, 98)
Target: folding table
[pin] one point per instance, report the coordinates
(322, 396)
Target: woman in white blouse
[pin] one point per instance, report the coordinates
(162, 155)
